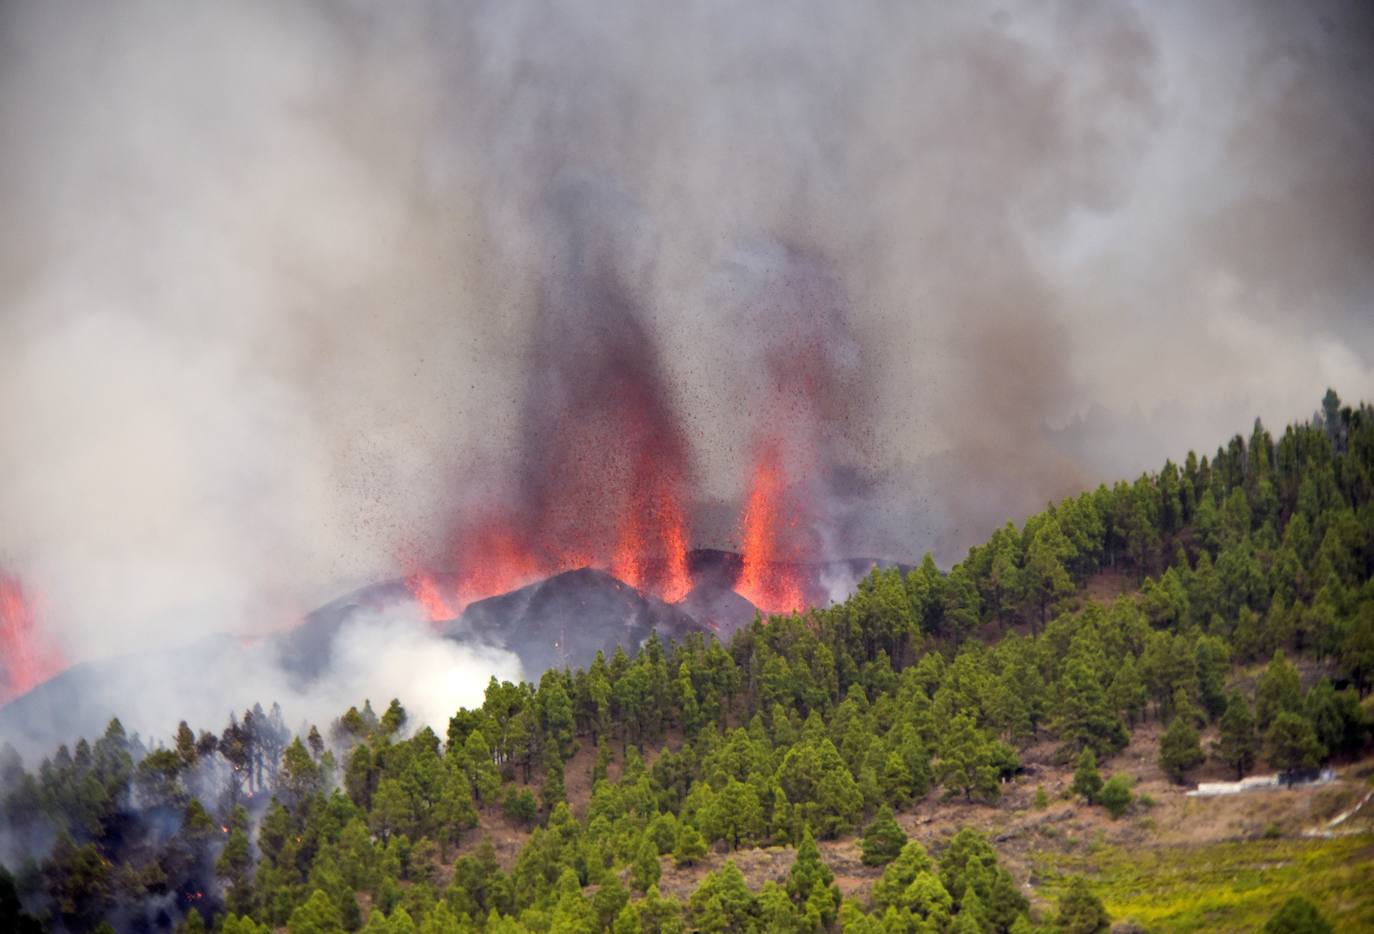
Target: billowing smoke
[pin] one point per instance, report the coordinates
(294, 298)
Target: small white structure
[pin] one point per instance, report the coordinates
(1259, 783)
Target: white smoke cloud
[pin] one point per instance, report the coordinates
(375, 655)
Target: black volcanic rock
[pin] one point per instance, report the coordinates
(566, 619)
(717, 609)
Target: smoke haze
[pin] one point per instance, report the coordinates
(274, 279)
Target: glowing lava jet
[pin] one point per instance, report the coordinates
(601, 473)
(26, 659)
(770, 578)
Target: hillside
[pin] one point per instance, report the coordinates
(1201, 622)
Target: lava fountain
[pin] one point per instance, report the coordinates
(770, 577)
(26, 658)
(601, 470)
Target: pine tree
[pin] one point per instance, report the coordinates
(691, 846)
(1279, 691)
(1127, 693)
(888, 891)
(1291, 744)
(1080, 911)
(235, 865)
(552, 793)
(883, 839)
(967, 760)
(645, 870)
(1087, 781)
(1236, 745)
(1179, 752)
(810, 882)
(480, 769)
(1086, 717)
(394, 719)
(319, 915)
(1212, 660)
(1044, 579)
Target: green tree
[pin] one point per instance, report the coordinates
(1087, 781)
(645, 870)
(739, 814)
(691, 846)
(929, 901)
(520, 807)
(811, 884)
(1297, 916)
(822, 789)
(1236, 745)
(883, 839)
(1357, 648)
(723, 902)
(1080, 911)
(553, 793)
(890, 889)
(1212, 661)
(1291, 744)
(394, 719)
(555, 713)
(391, 812)
(319, 915)
(1086, 717)
(480, 769)
(300, 775)
(1116, 795)
(1279, 691)
(235, 865)
(1127, 693)
(967, 760)
(1336, 717)
(1179, 751)
(608, 902)
(1045, 579)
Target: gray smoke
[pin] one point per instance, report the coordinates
(269, 273)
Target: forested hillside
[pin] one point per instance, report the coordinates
(1229, 597)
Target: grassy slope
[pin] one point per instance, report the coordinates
(1227, 886)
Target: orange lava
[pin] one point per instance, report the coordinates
(770, 578)
(26, 658)
(651, 548)
(425, 589)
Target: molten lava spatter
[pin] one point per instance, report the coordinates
(770, 578)
(425, 589)
(651, 547)
(26, 658)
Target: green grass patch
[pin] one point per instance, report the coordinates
(1224, 886)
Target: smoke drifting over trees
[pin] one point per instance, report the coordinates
(275, 281)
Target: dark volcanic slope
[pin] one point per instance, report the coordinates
(566, 619)
(305, 651)
(718, 610)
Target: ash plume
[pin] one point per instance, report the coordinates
(290, 295)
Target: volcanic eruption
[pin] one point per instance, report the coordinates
(602, 474)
